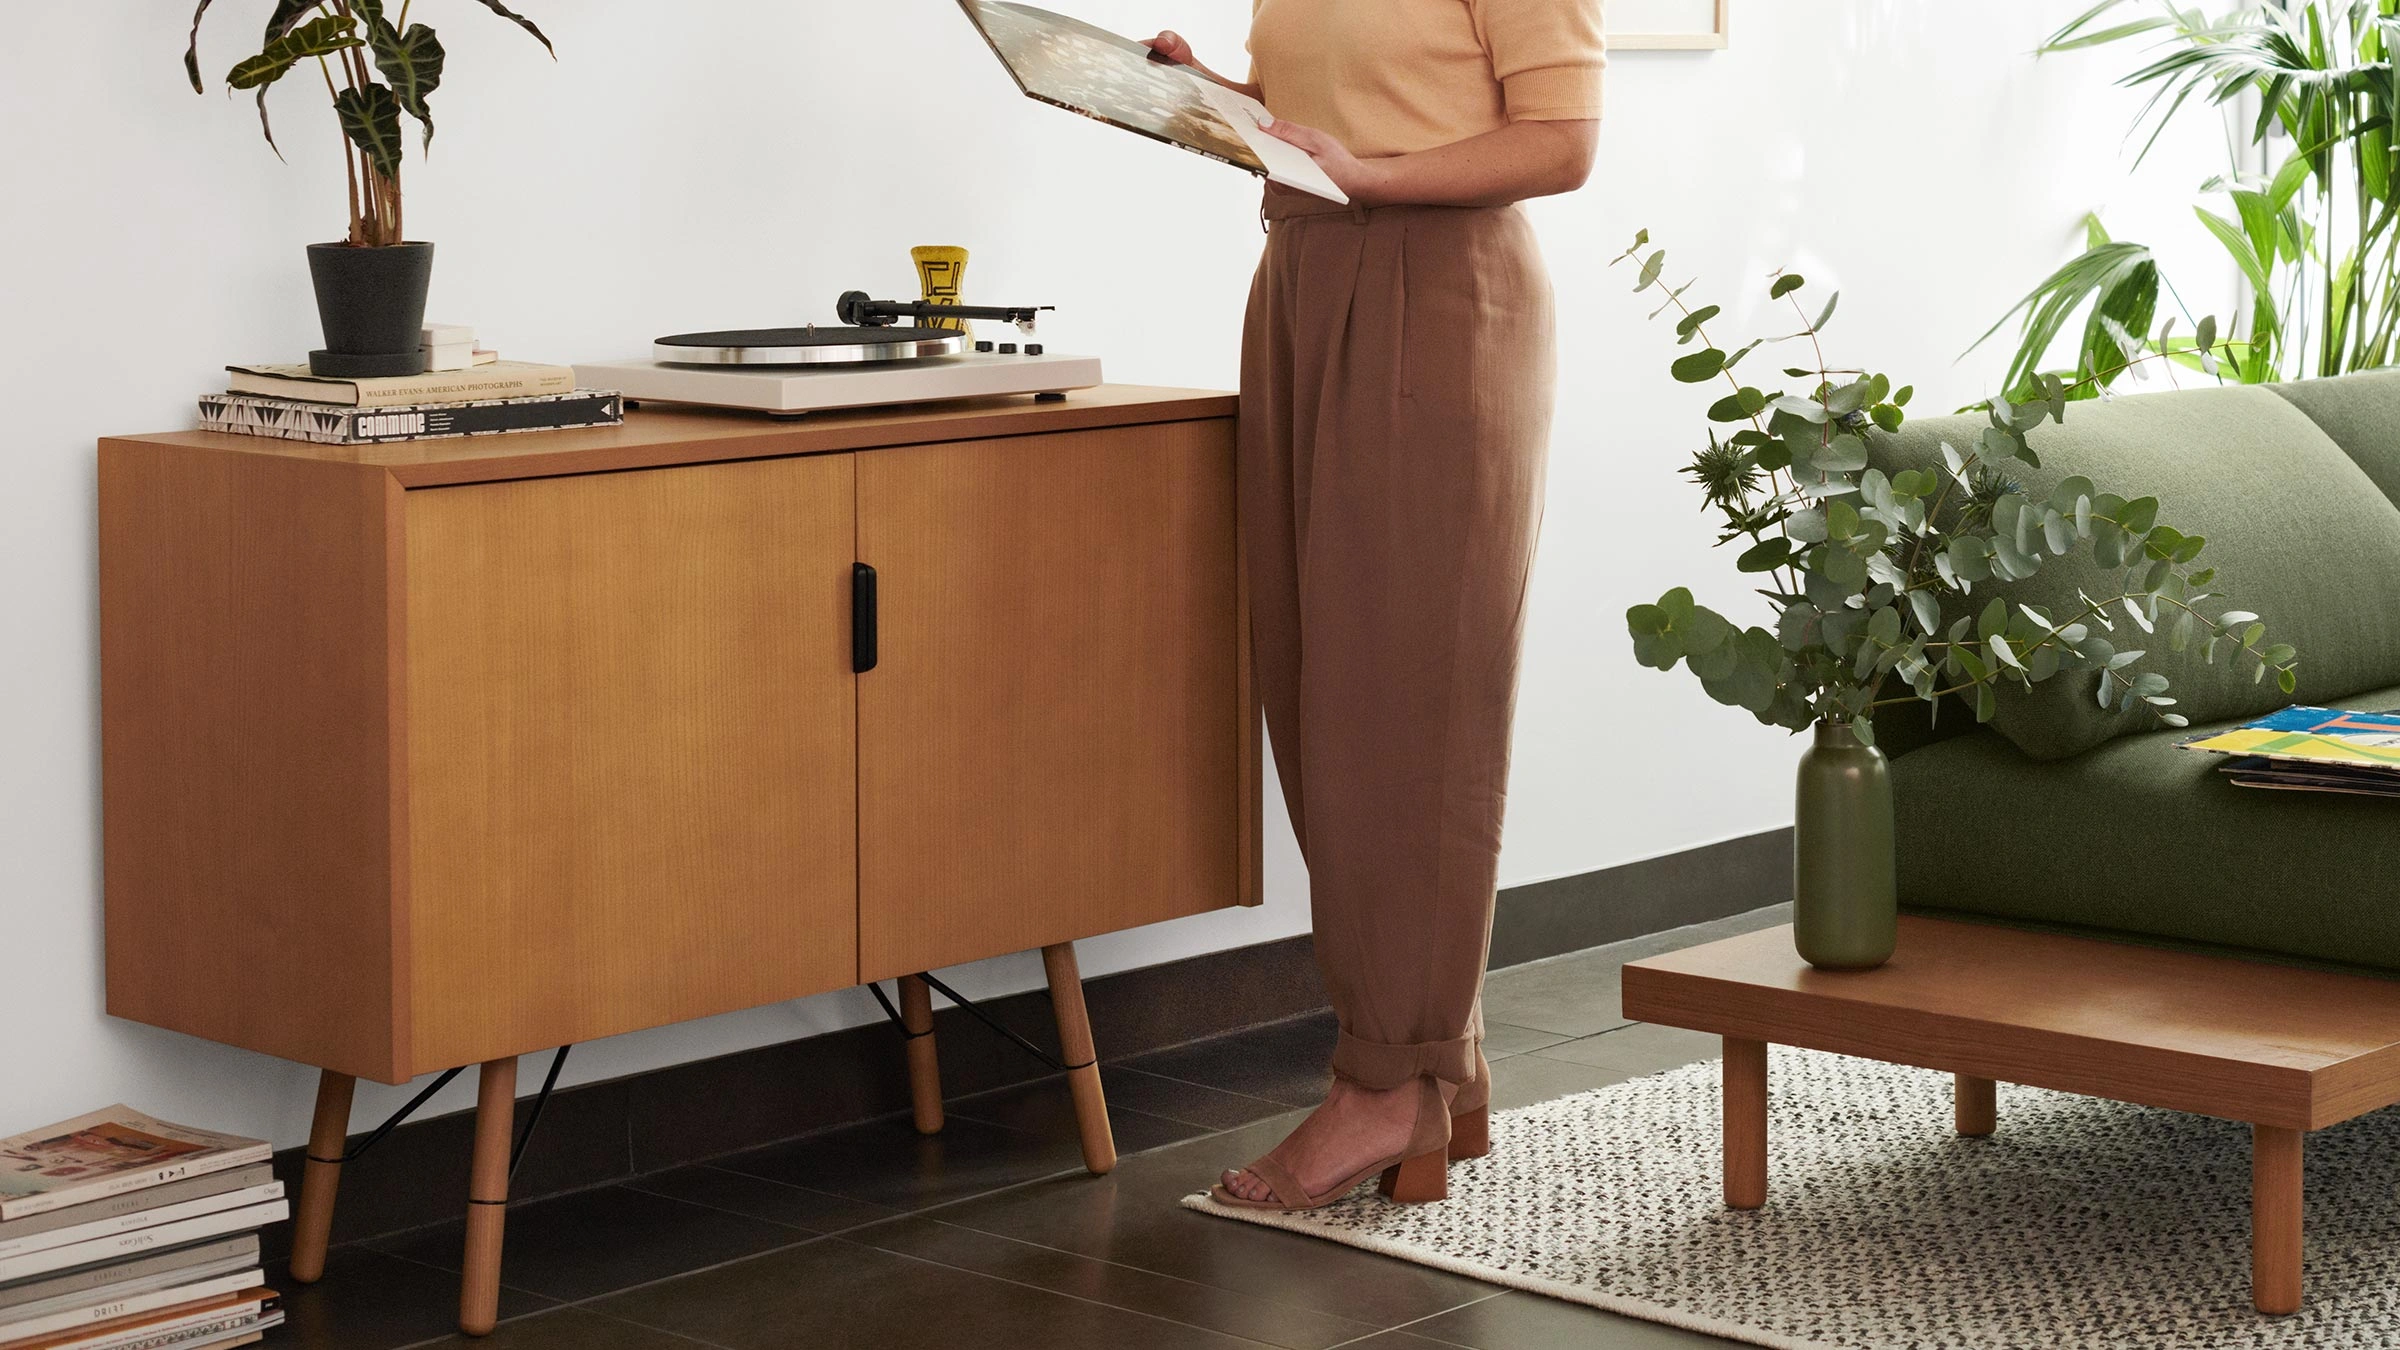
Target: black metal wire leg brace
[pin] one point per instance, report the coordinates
(979, 1015)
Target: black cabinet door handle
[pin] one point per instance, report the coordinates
(862, 618)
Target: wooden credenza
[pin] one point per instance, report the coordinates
(430, 755)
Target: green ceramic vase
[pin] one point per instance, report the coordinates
(1845, 897)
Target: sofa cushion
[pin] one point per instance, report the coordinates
(2144, 838)
(2298, 531)
(2362, 415)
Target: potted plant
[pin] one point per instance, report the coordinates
(1873, 582)
(371, 284)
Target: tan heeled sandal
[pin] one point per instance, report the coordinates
(1417, 1175)
(1471, 1114)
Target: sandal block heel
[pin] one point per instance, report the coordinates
(1419, 1173)
(1471, 1134)
(1417, 1180)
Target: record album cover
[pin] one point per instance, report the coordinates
(1085, 69)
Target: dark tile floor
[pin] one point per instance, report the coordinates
(991, 1236)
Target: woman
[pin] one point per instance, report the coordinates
(1397, 373)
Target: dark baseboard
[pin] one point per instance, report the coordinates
(1590, 909)
(596, 1133)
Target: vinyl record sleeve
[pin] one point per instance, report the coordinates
(1070, 64)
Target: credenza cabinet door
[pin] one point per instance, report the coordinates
(1052, 744)
(630, 751)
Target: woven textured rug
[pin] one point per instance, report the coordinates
(2081, 1223)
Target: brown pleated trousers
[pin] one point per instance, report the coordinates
(1397, 381)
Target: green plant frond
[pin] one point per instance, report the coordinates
(2240, 248)
(2078, 32)
(2113, 274)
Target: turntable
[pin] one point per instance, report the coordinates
(869, 360)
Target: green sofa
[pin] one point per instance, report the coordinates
(2060, 814)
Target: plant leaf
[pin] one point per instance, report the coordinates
(317, 37)
(287, 16)
(1702, 365)
(527, 24)
(1767, 555)
(191, 53)
(371, 118)
(412, 61)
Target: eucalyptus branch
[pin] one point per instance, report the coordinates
(1872, 568)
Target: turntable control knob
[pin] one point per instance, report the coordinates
(983, 346)
(1033, 349)
(1008, 349)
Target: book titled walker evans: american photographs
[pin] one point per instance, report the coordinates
(325, 424)
(107, 1153)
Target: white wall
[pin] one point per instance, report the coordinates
(743, 161)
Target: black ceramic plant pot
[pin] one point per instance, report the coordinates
(372, 304)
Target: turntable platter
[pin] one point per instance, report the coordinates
(810, 346)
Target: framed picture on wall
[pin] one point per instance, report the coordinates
(1666, 25)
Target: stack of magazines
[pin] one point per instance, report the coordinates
(118, 1231)
(2312, 750)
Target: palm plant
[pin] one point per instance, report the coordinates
(351, 42)
(2316, 239)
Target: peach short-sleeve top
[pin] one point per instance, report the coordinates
(1392, 77)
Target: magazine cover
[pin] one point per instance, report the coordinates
(107, 1152)
(2314, 736)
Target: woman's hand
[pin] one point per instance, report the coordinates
(1363, 179)
(1171, 48)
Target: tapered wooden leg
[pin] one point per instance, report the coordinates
(1745, 1123)
(1975, 1102)
(2275, 1219)
(1075, 1039)
(321, 1175)
(924, 1066)
(487, 1197)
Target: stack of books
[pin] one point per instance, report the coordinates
(488, 398)
(119, 1231)
(2312, 750)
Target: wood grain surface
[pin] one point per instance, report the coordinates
(248, 752)
(2240, 1040)
(631, 750)
(1052, 746)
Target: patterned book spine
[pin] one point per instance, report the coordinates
(286, 419)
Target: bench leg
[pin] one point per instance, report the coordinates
(1745, 1123)
(1075, 1040)
(2275, 1219)
(1975, 1102)
(321, 1175)
(487, 1197)
(924, 1064)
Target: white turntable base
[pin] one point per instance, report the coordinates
(799, 389)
